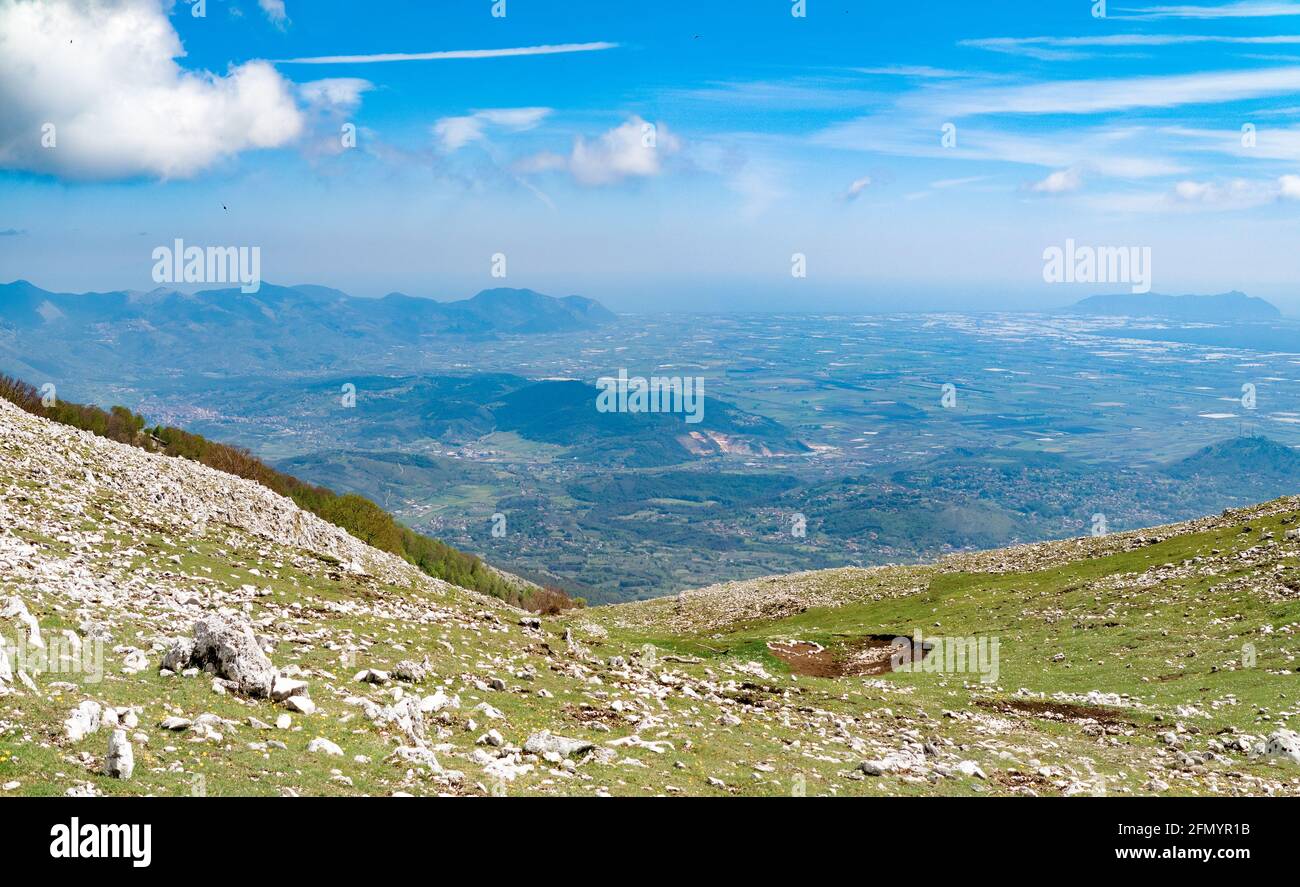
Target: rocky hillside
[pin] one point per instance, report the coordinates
(173, 630)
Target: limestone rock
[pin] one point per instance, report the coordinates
(545, 741)
(83, 721)
(320, 745)
(120, 762)
(228, 648)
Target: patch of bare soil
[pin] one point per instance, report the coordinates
(586, 714)
(1023, 783)
(868, 655)
(1057, 711)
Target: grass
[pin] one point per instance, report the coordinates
(1164, 641)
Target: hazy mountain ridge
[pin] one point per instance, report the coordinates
(306, 326)
(1223, 307)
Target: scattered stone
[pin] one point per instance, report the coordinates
(320, 745)
(545, 741)
(1283, 744)
(411, 671)
(83, 721)
(283, 688)
(301, 704)
(120, 761)
(437, 702)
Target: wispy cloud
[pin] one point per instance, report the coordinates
(1117, 94)
(798, 92)
(1200, 196)
(1121, 152)
(1240, 9)
(857, 187)
(1060, 182)
(924, 71)
(1069, 48)
(338, 93)
(511, 52)
(454, 133)
(275, 11)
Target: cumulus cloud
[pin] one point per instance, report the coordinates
(634, 149)
(1060, 182)
(1289, 187)
(454, 133)
(98, 80)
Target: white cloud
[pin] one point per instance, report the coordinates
(1192, 196)
(338, 93)
(956, 183)
(1068, 48)
(103, 74)
(1125, 152)
(1116, 94)
(449, 54)
(455, 133)
(275, 11)
(1196, 191)
(634, 149)
(924, 71)
(1060, 182)
(1239, 9)
(856, 187)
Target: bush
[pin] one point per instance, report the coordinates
(551, 601)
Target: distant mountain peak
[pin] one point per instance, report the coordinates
(1251, 455)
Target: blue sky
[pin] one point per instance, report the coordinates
(772, 135)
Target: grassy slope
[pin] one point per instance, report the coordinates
(1167, 640)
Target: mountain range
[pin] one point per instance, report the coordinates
(227, 330)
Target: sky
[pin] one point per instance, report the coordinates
(657, 156)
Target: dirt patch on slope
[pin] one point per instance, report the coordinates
(869, 655)
(1057, 711)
